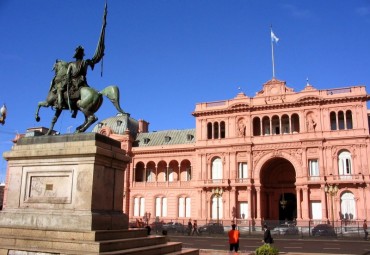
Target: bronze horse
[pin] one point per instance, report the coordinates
(85, 99)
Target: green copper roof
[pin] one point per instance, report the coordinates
(166, 137)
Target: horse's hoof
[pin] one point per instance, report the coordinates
(37, 118)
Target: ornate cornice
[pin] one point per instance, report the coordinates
(302, 102)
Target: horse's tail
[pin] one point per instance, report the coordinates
(112, 92)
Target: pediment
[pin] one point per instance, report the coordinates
(274, 87)
(239, 106)
(308, 98)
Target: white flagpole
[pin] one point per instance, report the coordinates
(272, 54)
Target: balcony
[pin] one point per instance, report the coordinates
(161, 184)
(352, 178)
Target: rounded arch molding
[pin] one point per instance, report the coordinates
(276, 154)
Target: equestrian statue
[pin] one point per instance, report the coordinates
(69, 89)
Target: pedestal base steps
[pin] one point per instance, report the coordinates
(18, 241)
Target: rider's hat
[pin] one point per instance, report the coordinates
(79, 52)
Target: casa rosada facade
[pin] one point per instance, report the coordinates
(281, 155)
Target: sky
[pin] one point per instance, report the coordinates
(168, 55)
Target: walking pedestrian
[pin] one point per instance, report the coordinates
(195, 228)
(267, 238)
(234, 236)
(364, 226)
(190, 227)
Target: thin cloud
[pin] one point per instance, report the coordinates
(296, 12)
(363, 11)
(11, 57)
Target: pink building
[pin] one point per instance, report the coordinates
(281, 155)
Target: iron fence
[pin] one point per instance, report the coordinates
(283, 229)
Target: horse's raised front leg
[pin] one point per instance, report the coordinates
(43, 104)
(54, 120)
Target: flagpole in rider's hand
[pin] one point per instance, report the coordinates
(275, 39)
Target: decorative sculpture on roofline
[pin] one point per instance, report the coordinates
(2, 114)
(69, 89)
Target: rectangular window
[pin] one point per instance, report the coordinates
(243, 170)
(181, 206)
(244, 214)
(136, 206)
(161, 207)
(164, 207)
(188, 207)
(316, 210)
(313, 165)
(158, 207)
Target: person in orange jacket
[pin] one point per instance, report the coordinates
(234, 236)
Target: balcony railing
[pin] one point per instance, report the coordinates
(163, 184)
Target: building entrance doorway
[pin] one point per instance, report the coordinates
(287, 207)
(278, 191)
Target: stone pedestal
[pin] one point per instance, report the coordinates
(67, 182)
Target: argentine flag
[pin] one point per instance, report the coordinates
(274, 38)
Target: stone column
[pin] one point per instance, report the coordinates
(299, 204)
(305, 204)
(258, 202)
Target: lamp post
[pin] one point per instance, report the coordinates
(217, 192)
(3, 114)
(331, 190)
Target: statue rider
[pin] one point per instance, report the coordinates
(77, 70)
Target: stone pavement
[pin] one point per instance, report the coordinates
(220, 252)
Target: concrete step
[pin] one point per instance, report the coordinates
(88, 246)
(160, 249)
(37, 241)
(76, 235)
(4, 251)
(186, 251)
(129, 243)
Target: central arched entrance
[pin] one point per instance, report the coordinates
(278, 191)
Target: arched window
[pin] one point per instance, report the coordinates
(349, 119)
(222, 129)
(341, 120)
(139, 172)
(348, 206)
(217, 207)
(217, 169)
(285, 124)
(344, 164)
(171, 174)
(333, 121)
(185, 207)
(275, 122)
(209, 130)
(188, 174)
(161, 207)
(295, 123)
(266, 125)
(256, 126)
(150, 176)
(139, 206)
(215, 130)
